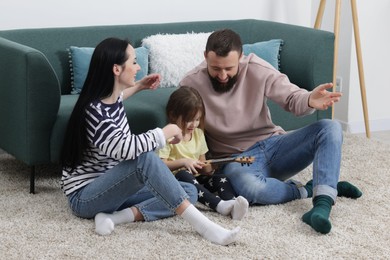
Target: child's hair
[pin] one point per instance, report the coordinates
(183, 105)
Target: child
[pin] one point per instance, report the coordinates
(112, 175)
(187, 159)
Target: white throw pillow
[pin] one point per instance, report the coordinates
(173, 55)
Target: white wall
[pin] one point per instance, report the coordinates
(374, 23)
(373, 18)
(54, 13)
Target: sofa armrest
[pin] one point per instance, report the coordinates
(29, 101)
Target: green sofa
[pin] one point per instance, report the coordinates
(35, 99)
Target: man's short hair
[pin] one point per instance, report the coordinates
(224, 41)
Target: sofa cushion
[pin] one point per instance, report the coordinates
(173, 55)
(267, 50)
(80, 57)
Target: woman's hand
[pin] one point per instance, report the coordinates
(322, 99)
(149, 82)
(172, 134)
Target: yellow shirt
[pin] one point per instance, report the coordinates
(193, 148)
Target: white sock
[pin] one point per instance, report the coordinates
(225, 207)
(208, 229)
(240, 208)
(105, 223)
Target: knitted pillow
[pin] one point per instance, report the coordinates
(173, 55)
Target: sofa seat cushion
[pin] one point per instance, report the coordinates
(146, 110)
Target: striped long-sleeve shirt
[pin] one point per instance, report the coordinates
(110, 142)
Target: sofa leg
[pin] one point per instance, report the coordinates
(32, 179)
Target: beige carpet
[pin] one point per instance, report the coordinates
(41, 226)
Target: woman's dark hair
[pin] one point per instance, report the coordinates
(184, 104)
(224, 41)
(98, 84)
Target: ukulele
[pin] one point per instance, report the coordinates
(243, 160)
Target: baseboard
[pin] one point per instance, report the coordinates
(359, 127)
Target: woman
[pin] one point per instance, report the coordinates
(112, 175)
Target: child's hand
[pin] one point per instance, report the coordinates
(192, 165)
(207, 168)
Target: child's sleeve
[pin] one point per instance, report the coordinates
(164, 152)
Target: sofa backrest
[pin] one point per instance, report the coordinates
(300, 44)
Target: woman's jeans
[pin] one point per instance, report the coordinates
(145, 183)
(282, 156)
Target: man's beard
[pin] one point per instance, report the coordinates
(223, 87)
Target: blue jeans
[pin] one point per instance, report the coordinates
(145, 183)
(280, 157)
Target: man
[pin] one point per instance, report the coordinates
(234, 89)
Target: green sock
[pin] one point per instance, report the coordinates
(318, 216)
(309, 188)
(346, 189)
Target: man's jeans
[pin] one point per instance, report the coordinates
(282, 156)
(145, 183)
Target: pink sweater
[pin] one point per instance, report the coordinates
(238, 119)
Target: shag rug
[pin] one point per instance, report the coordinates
(41, 226)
